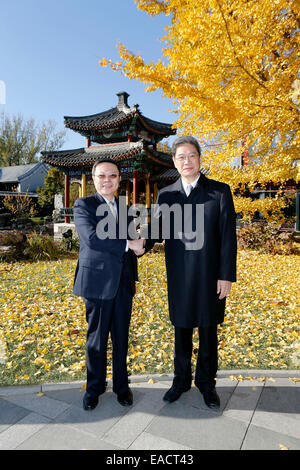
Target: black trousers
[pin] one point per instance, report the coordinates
(104, 317)
(207, 359)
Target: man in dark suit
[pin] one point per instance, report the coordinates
(105, 277)
(201, 265)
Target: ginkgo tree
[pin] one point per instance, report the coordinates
(231, 68)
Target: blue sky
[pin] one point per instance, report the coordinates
(49, 54)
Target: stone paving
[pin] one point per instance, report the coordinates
(260, 410)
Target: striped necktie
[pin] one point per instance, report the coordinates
(113, 210)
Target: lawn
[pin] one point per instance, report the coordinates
(43, 327)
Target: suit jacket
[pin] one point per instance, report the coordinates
(192, 274)
(100, 261)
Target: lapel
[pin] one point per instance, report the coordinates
(100, 200)
(178, 186)
(201, 183)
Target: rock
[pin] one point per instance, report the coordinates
(8, 250)
(295, 236)
(12, 243)
(12, 237)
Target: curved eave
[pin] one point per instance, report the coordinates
(172, 174)
(85, 157)
(115, 151)
(156, 159)
(77, 126)
(155, 128)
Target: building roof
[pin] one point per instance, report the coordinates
(13, 174)
(115, 117)
(172, 174)
(116, 151)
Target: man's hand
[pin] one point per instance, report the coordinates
(223, 288)
(137, 246)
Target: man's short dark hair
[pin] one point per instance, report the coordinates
(105, 160)
(185, 139)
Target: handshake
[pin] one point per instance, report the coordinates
(138, 246)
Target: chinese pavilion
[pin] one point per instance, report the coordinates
(124, 135)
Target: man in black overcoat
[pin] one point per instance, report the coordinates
(105, 277)
(200, 254)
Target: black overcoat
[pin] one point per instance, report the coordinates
(192, 274)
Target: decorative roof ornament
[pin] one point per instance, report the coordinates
(121, 116)
(122, 134)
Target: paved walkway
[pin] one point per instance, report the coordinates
(260, 412)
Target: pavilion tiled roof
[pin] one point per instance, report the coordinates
(172, 173)
(115, 117)
(115, 151)
(98, 121)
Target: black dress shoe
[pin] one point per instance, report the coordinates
(212, 399)
(89, 403)
(125, 399)
(174, 393)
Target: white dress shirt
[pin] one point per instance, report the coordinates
(185, 184)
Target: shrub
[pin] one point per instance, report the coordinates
(266, 238)
(20, 206)
(41, 247)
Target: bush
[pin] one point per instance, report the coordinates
(20, 206)
(41, 247)
(266, 238)
(12, 243)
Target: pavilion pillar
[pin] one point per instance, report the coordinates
(128, 193)
(155, 193)
(83, 185)
(148, 194)
(67, 196)
(135, 187)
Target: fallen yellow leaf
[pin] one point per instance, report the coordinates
(282, 447)
(151, 381)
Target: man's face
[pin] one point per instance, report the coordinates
(187, 161)
(106, 179)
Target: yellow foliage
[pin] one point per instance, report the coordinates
(231, 69)
(43, 325)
